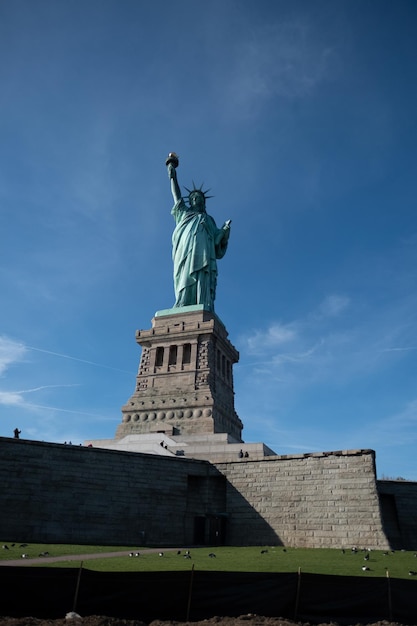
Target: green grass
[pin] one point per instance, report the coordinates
(247, 559)
(33, 550)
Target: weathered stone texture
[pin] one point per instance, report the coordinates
(185, 378)
(318, 500)
(62, 493)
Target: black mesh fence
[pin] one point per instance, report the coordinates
(193, 595)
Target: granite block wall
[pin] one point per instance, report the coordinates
(63, 493)
(313, 500)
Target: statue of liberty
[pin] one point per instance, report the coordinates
(196, 244)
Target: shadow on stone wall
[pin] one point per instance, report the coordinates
(398, 504)
(245, 525)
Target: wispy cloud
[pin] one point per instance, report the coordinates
(74, 358)
(55, 409)
(10, 352)
(281, 59)
(327, 344)
(13, 398)
(296, 357)
(403, 349)
(275, 335)
(40, 400)
(333, 305)
(398, 428)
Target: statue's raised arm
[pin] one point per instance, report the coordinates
(172, 164)
(196, 244)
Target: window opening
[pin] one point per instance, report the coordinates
(159, 357)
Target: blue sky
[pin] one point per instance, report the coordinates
(301, 117)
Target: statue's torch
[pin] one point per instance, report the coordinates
(172, 159)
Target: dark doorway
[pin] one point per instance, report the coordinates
(210, 530)
(217, 530)
(199, 530)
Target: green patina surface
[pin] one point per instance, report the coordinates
(182, 309)
(197, 243)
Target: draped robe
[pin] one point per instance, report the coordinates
(196, 244)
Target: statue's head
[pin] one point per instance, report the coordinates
(197, 201)
(197, 198)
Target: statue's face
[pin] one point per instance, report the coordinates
(197, 201)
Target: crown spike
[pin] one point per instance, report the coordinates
(198, 190)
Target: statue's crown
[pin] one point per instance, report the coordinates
(198, 190)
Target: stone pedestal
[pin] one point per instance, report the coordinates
(184, 384)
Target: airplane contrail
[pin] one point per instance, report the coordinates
(73, 358)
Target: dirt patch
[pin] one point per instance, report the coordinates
(100, 620)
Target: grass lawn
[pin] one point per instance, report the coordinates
(238, 559)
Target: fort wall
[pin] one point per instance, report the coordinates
(62, 493)
(311, 500)
(399, 512)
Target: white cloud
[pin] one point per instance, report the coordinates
(14, 398)
(327, 346)
(10, 352)
(303, 335)
(33, 397)
(276, 335)
(11, 398)
(295, 357)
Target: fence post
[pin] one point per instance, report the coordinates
(77, 588)
(297, 595)
(190, 590)
(389, 597)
